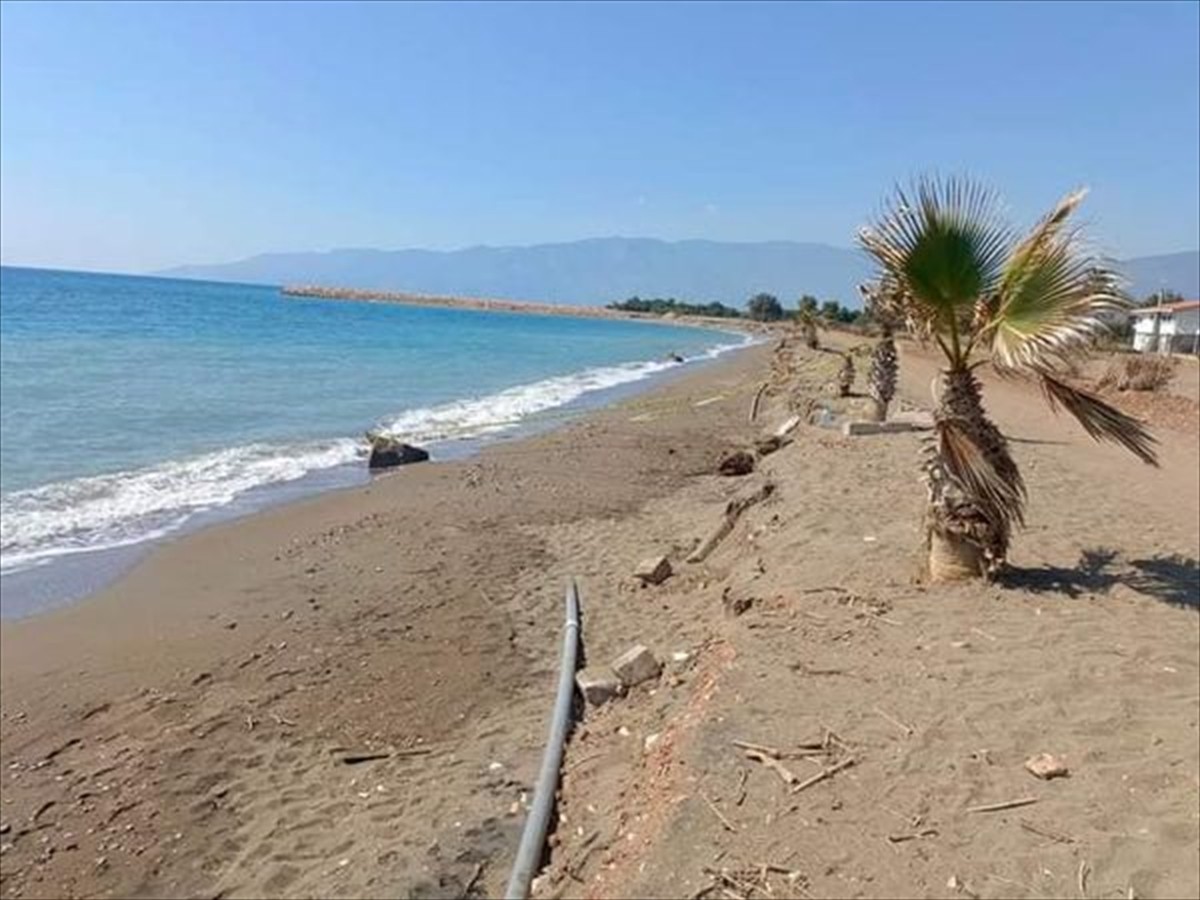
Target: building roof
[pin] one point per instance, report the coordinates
(1181, 306)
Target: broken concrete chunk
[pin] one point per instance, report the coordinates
(636, 665)
(597, 689)
(1046, 766)
(653, 570)
(855, 429)
(788, 426)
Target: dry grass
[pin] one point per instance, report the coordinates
(1138, 372)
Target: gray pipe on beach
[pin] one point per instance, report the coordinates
(529, 853)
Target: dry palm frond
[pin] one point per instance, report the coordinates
(1100, 420)
(1052, 297)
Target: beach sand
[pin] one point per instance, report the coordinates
(190, 731)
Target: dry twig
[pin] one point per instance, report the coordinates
(823, 774)
(729, 826)
(1007, 804)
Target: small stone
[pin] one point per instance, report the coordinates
(735, 606)
(495, 766)
(1046, 766)
(636, 665)
(649, 743)
(597, 689)
(653, 570)
(737, 463)
(681, 656)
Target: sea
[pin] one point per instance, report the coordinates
(136, 408)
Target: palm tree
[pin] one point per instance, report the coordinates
(885, 366)
(881, 379)
(846, 375)
(957, 275)
(807, 320)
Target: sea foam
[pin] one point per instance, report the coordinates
(123, 508)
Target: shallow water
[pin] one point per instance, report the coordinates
(131, 407)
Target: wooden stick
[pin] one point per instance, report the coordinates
(757, 398)
(907, 729)
(758, 748)
(733, 510)
(729, 826)
(1083, 874)
(901, 838)
(1053, 835)
(823, 774)
(1007, 804)
(789, 777)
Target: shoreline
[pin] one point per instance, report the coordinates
(348, 697)
(411, 612)
(71, 577)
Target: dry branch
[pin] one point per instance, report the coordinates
(757, 399)
(823, 774)
(733, 511)
(1007, 804)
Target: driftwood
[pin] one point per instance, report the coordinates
(757, 399)
(733, 511)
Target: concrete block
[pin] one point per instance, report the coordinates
(653, 570)
(856, 429)
(636, 665)
(597, 689)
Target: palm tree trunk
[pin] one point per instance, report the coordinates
(968, 525)
(881, 381)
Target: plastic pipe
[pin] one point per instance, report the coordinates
(529, 852)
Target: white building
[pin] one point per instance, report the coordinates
(1170, 328)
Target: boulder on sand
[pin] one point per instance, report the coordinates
(387, 452)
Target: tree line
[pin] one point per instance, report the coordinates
(762, 307)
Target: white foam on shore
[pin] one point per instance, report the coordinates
(123, 508)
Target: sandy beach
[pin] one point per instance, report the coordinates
(348, 696)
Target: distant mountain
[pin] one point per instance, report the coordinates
(600, 270)
(1178, 272)
(594, 271)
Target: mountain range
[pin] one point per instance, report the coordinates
(599, 270)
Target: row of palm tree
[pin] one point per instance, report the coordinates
(952, 273)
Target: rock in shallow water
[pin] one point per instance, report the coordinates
(387, 452)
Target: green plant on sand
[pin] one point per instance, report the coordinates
(958, 276)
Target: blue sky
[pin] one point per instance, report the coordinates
(137, 136)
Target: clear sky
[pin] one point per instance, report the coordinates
(137, 136)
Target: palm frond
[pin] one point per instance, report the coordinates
(1052, 296)
(1100, 420)
(942, 243)
(999, 495)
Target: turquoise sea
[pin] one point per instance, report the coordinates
(132, 407)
